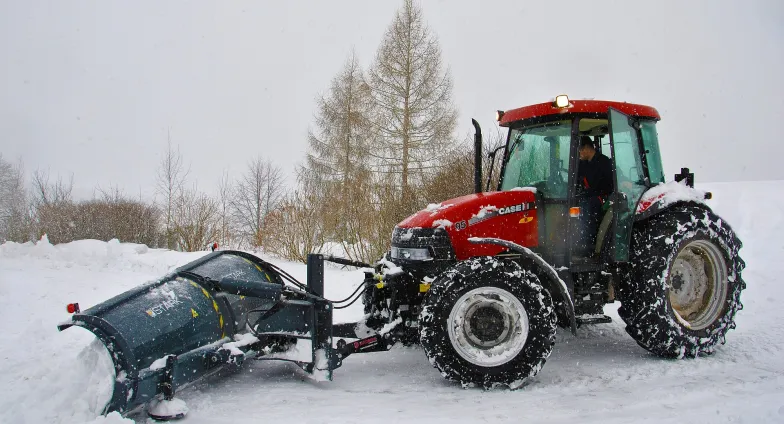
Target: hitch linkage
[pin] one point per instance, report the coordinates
(374, 343)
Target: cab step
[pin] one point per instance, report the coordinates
(593, 319)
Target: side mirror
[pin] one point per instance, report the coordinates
(685, 175)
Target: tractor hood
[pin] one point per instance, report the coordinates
(510, 215)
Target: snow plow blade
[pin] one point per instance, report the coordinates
(221, 309)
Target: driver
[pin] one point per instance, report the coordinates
(595, 171)
(595, 178)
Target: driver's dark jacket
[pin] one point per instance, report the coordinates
(595, 176)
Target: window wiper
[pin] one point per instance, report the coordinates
(492, 165)
(515, 142)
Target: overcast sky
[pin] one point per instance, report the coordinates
(92, 87)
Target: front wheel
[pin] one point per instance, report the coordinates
(487, 322)
(685, 283)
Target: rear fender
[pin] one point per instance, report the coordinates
(663, 196)
(552, 281)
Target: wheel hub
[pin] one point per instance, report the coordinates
(698, 284)
(488, 326)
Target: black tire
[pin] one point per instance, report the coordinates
(488, 278)
(692, 248)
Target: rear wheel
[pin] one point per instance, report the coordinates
(685, 283)
(487, 322)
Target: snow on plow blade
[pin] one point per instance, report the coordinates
(168, 333)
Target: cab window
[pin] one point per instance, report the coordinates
(650, 141)
(539, 157)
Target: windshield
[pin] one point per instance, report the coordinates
(539, 157)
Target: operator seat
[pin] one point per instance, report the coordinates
(604, 228)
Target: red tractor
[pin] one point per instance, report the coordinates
(482, 281)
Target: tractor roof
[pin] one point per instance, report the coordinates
(577, 106)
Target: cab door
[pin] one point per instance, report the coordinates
(629, 175)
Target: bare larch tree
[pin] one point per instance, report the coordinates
(224, 206)
(196, 221)
(413, 96)
(13, 203)
(169, 185)
(337, 159)
(54, 208)
(256, 194)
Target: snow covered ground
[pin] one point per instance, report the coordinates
(599, 376)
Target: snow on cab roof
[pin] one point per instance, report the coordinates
(577, 106)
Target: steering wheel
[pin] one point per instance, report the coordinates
(556, 178)
(580, 190)
(540, 186)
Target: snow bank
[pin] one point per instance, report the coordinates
(93, 377)
(68, 385)
(99, 254)
(113, 418)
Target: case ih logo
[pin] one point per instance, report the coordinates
(488, 212)
(514, 208)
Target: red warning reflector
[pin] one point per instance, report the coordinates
(73, 308)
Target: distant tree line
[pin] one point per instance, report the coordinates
(182, 218)
(382, 145)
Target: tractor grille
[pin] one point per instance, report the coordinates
(436, 239)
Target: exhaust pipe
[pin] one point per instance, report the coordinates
(477, 157)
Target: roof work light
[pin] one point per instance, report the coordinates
(561, 101)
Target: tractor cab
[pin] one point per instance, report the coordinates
(542, 151)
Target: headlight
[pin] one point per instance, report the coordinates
(411, 253)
